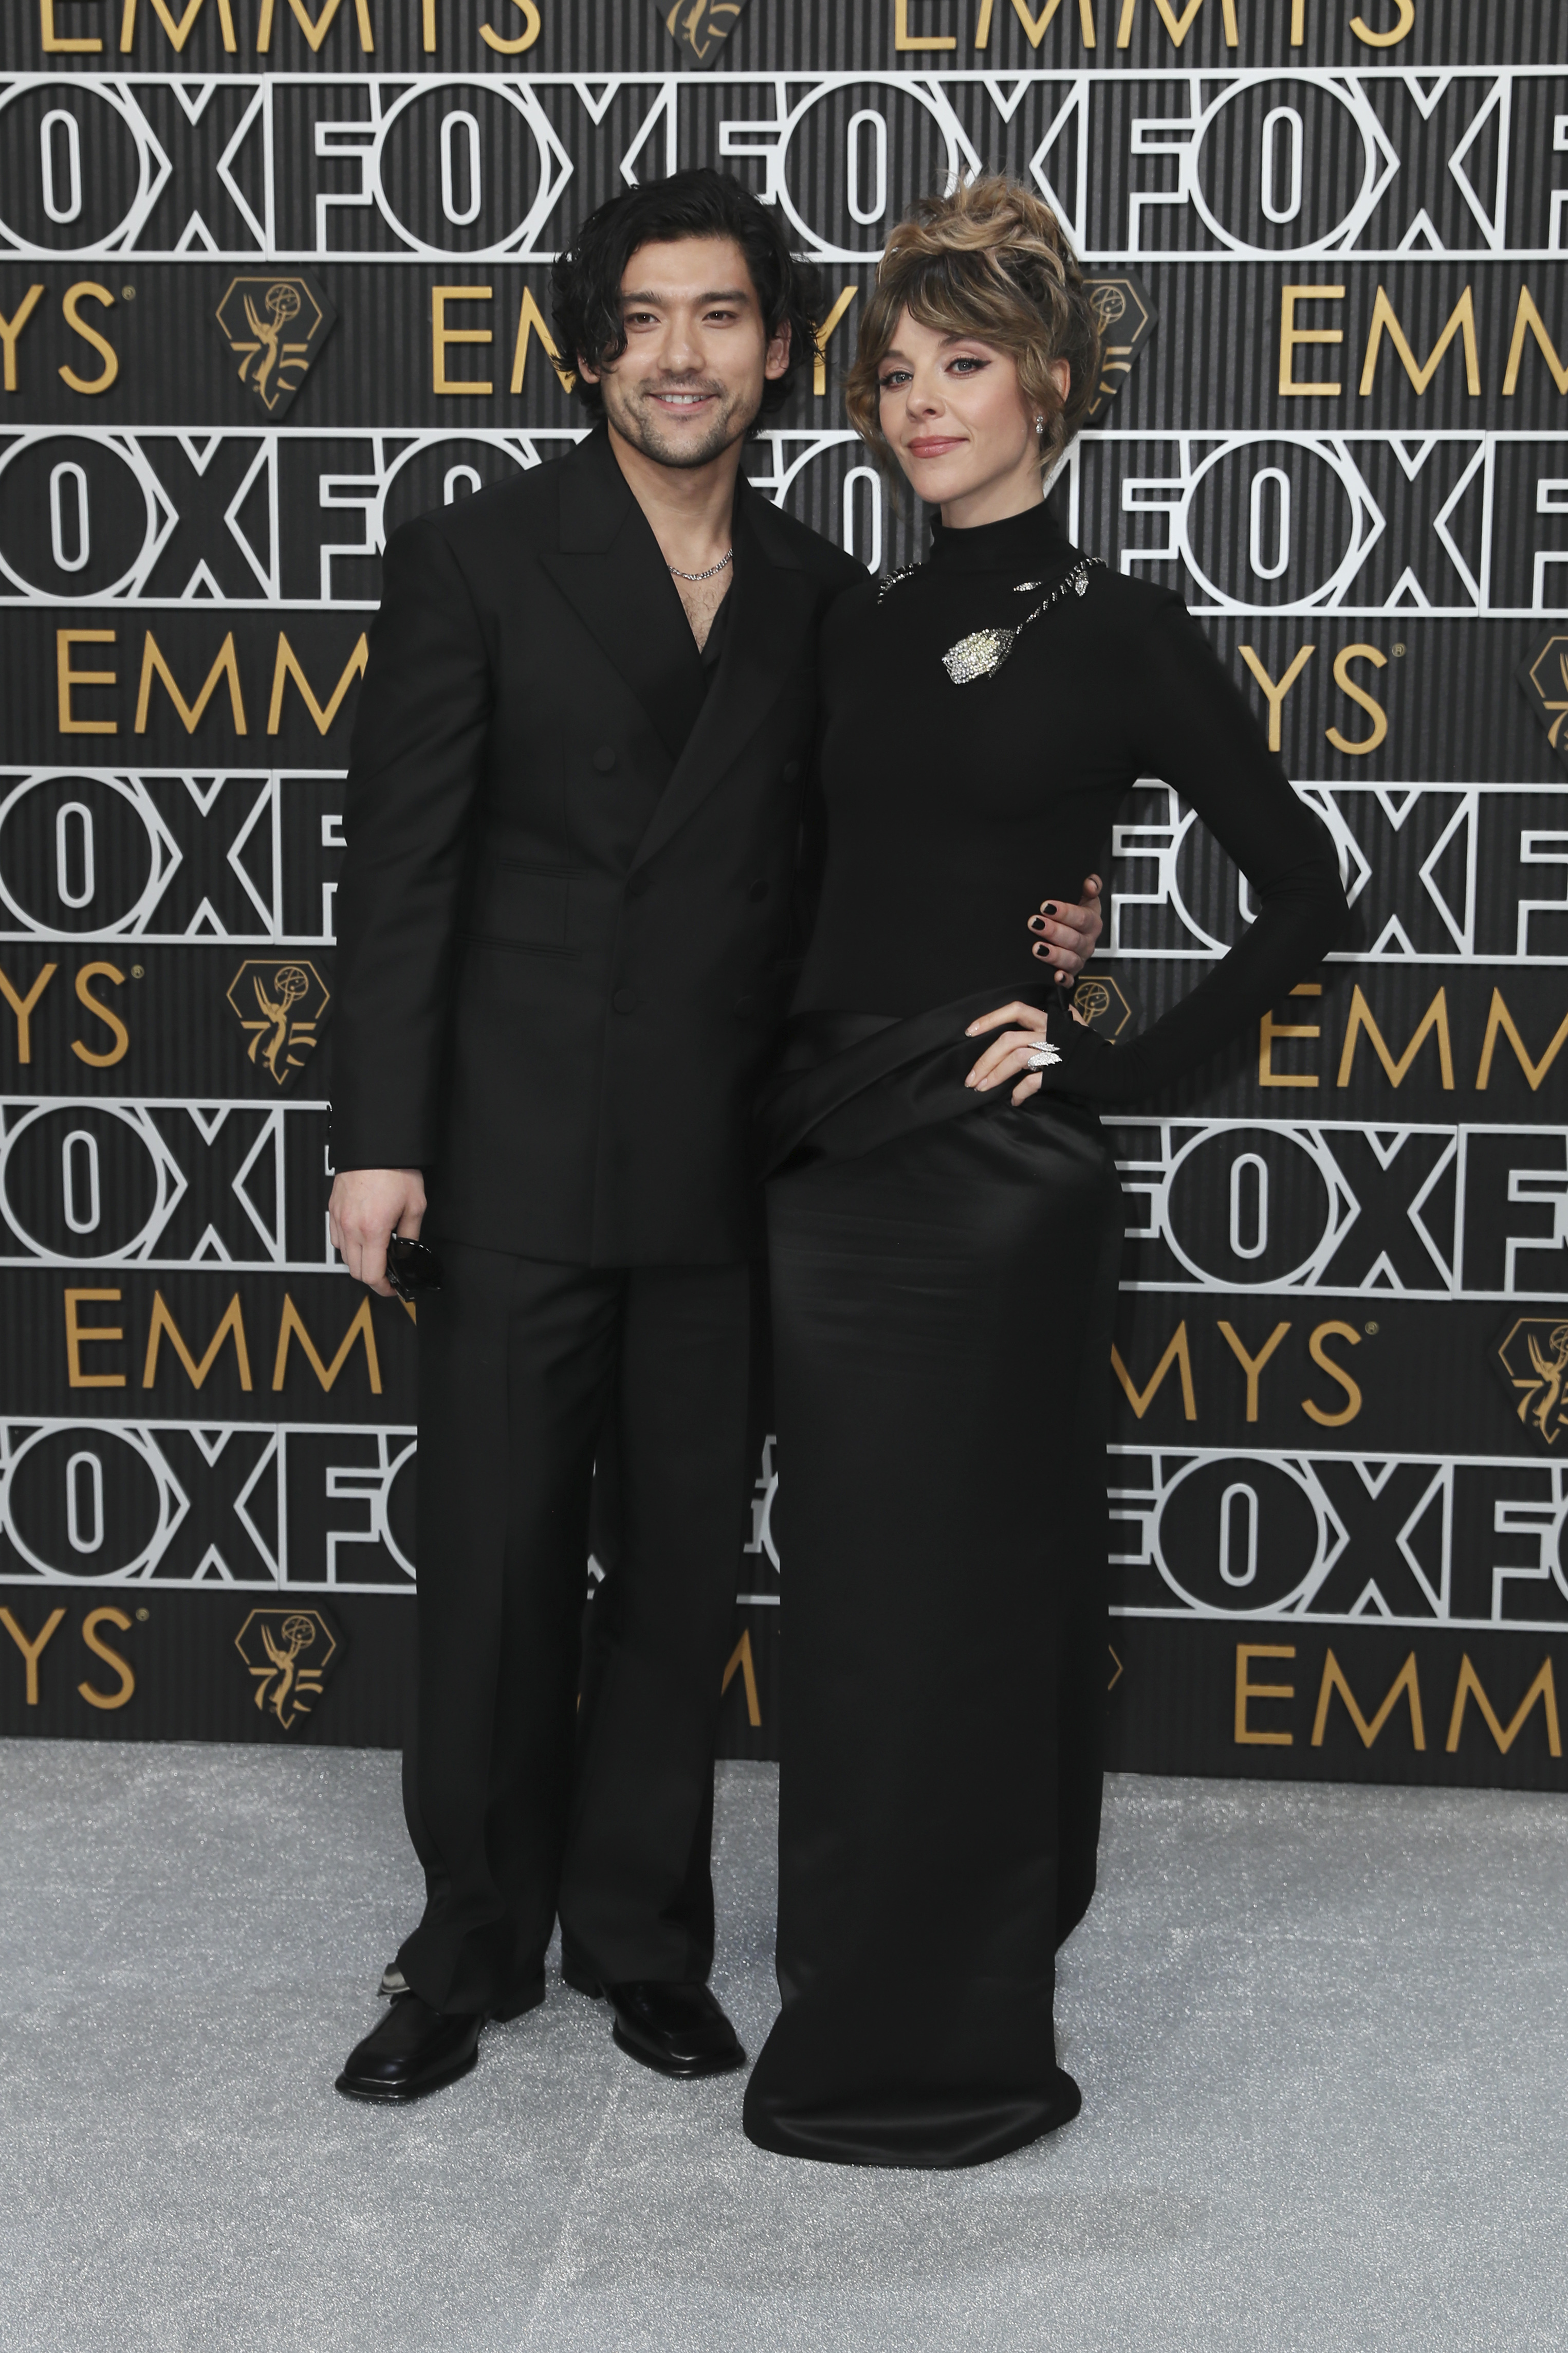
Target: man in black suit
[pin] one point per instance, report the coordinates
(564, 941)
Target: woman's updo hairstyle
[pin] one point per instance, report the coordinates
(989, 260)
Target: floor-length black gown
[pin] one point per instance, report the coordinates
(943, 1278)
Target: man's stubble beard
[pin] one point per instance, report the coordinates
(634, 424)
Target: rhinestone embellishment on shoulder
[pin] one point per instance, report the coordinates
(891, 579)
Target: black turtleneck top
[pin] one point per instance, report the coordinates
(951, 811)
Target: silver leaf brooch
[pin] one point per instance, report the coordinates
(983, 652)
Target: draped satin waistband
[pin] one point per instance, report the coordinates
(848, 1082)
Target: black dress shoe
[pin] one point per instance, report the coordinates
(678, 2029)
(415, 2049)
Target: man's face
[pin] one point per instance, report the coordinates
(689, 382)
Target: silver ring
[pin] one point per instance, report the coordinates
(1041, 1057)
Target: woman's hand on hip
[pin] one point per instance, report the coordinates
(1007, 1057)
(1066, 937)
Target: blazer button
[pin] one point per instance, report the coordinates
(636, 885)
(790, 771)
(758, 891)
(625, 1000)
(605, 759)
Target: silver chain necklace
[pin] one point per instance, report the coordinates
(712, 572)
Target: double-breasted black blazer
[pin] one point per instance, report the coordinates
(565, 916)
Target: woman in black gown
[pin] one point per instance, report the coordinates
(945, 1221)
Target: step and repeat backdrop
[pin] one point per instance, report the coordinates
(273, 276)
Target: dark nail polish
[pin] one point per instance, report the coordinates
(1050, 907)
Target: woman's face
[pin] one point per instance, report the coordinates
(955, 416)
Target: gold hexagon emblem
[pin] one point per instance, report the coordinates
(700, 25)
(275, 327)
(1532, 1356)
(1127, 318)
(1100, 1001)
(288, 1653)
(279, 1001)
(1544, 678)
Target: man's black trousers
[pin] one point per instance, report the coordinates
(550, 1775)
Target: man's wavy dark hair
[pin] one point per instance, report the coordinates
(586, 295)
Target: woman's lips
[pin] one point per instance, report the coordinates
(937, 446)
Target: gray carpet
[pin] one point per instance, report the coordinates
(1321, 2035)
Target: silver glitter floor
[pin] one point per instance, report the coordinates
(1321, 2034)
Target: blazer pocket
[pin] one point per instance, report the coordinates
(518, 906)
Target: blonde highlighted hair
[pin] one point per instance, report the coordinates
(989, 260)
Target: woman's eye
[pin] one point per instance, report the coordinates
(891, 383)
(967, 364)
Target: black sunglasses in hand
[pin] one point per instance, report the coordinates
(411, 1268)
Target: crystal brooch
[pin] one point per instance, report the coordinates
(977, 655)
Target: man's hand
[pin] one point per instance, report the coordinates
(1066, 937)
(367, 1207)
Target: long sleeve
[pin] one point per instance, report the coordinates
(1191, 728)
(414, 770)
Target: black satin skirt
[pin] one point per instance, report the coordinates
(943, 1276)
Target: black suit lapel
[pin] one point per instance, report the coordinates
(774, 604)
(609, 569)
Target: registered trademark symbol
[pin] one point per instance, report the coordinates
(1371, 1331)
(1399, 650)
(144, 1613)
(127, 293)
(137, 972)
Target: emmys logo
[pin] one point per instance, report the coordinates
(281, 1005)
(1126, 318)
(701, 26)
(1099, 1000)
(1533, 1354)
(288, 1652)
(276, 325)
(1544, 679)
